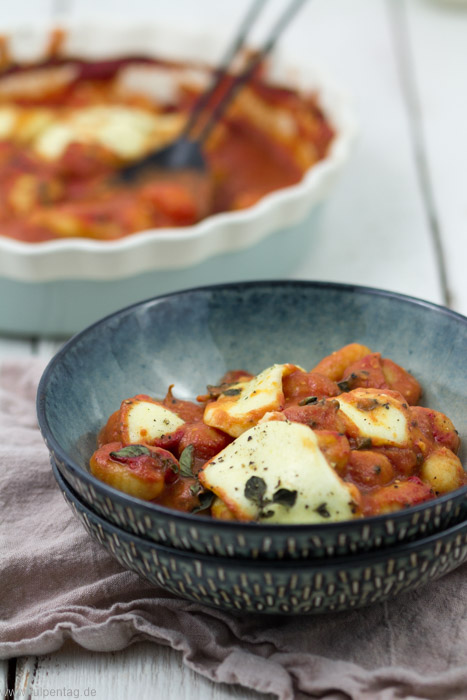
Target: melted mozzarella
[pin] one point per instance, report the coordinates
(285, 456)
(376, 415)
(36, 83)
(129, 132)
(245, 403)
(144, 421)
(160, 83)
(23, 125)
(8, 116)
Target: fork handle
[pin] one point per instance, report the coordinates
(237, 43)
(252, 64)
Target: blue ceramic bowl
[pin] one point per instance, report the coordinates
(190, 339)
(306, 586)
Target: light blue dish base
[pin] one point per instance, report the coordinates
(63, 307)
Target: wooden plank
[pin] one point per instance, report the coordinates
(438, 39)
(374, 229)
(16, 347)
(404, 54)
(3, 679)
(142, 671)
(12, 347)
(47, 348)
(25, 12)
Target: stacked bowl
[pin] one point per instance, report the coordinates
(192, 337)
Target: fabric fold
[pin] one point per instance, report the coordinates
(58, 584)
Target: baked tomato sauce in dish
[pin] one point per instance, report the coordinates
(67, 126)
(345, 440)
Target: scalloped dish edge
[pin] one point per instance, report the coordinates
(181, 247)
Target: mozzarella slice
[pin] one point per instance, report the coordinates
(160, 83)
(144, 421)
(129, 132)
(54, 140)
(299, 485)
(23, 124)
(376, 415)
(8, 116)
(245, 403)
(36, 83)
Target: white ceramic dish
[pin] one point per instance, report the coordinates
(52, 285)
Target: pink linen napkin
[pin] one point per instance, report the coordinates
(57, 584)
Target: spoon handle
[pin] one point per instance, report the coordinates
(237, 44)
(252, 64)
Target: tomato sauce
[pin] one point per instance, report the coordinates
(56, 174)
(385, 477)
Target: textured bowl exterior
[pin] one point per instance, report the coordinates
(284, 588)
(190, 339)
(176, 248)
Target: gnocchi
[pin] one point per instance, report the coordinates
(344, 440)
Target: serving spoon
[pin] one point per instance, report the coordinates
(186, 152)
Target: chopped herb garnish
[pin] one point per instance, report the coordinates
(363, 443)
(205, 501)
(306, 401)
(130, 451)
(186, 461)
(323, 510)
(367, 404)
(231, 392)
(215, 391)
(285, 497)
(195, 488)
(255, 488)
(267, 514)
(347, 384)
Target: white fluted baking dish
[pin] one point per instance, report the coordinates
(59, 286)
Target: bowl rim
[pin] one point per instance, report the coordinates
(112, 493)
(341, 561)
(175, 248)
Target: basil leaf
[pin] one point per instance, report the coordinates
(267, 513)
(205, 501)
(255, 488)
(186, 461)
(130, 451)
(285, 497)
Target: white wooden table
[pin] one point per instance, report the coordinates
(397, 220)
